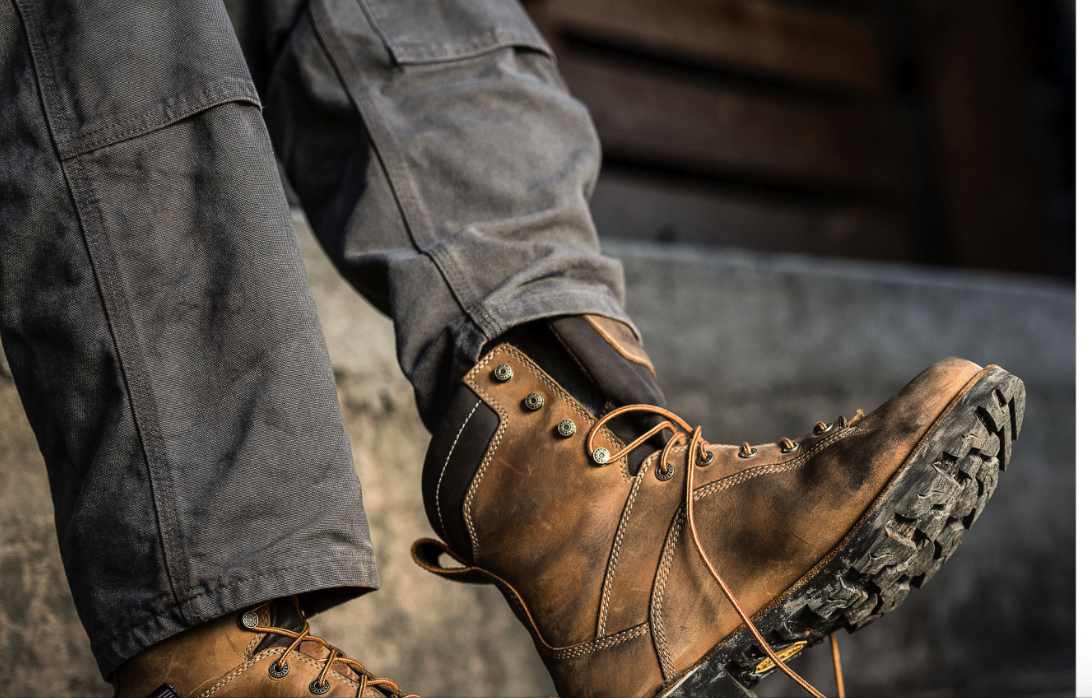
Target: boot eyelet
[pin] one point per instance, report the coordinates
(278, 673)
(743, 453)
(566, 428)
(790, 449)
(821, 428)
(601, 455)
(709, 456)
(533, 402)
(503, 373)
(249, 620)
(317, 689)
(661, 475)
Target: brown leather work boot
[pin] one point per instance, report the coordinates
(637, 553)
(266, 651)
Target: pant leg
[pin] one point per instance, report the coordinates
(158, 323)
(442, 164)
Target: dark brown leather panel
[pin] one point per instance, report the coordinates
(625, 382)
(279, 613)
(457, 447)
(593, 342)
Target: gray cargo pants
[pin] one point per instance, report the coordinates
(153, 302)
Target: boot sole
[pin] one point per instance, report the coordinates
(912, 529)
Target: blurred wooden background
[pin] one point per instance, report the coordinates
(908, 130)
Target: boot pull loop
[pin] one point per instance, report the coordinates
(426, 553)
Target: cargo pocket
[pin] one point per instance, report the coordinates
(430, 31)
(111, 71)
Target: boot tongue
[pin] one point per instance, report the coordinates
(600, 373)
(282, 614)
(611, 353)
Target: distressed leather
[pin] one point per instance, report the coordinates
(223, 658)
(596, 561)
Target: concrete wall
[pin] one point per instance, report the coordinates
(751, 347)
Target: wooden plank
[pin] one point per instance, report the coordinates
(780, 39)
(641, 207)
(666, 120)
(975, 79)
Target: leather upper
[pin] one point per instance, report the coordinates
(224, 658)
(615, 594)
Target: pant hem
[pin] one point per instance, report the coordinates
(346, 578)
(545, 304)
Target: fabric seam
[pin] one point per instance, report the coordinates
(166, 112)
(142, 403)
(412, 212)
(220, 587)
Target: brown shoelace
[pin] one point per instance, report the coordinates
(697, 452)
(321, 684)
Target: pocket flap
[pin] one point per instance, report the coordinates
(113, 70)
(427, 31)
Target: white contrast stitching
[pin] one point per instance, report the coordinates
(238, 670)
(494, 442)
(439, 514)
(616, 549)
(602, 643)
(744, 476)
(658, 637)
(503, 414)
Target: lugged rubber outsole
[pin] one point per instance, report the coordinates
(911, 531)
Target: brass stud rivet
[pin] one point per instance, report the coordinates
(566, 428)
(533, 401)
(601, 455)
(250, 620)
(503, 373)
